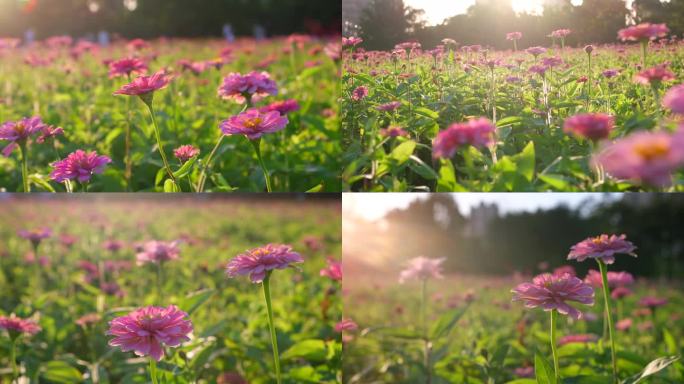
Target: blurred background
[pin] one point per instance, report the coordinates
(506, 233)
(384, 23)
(173, 18)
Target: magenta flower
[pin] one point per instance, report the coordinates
(560, 33)
(17, 326)
(648, 157)
(351, 41)
(615, 279)
(674, 99)
(580, 338)
(620, 292)
(185, 152)
(239, 87)
(259, 261)
(112, 245)
(48, 132)
(79, 166)
(603, 247)
(393, 131)
(624, 324)
(147, 330)
(560, 271)
(643, 32)
(389, 107)
(610, 73)
(346, 325)
(652, 302)
(283, 107)
(18, 132)
(422, 268)
(359, 93)
(554, 292)
(253, 123)
(475, 132)
(35, 236)
(593, 126)
(126, 66)
(655, 75)
(535, 51)
(524, 371)
(144, 86)
(333, 270)
(158, 252)
(514, 36)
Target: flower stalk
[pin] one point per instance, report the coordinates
(554, 352)
(153, 371)
(274, 340)
(606, 298)
(256, 145)
(24, 166)
(157, 135)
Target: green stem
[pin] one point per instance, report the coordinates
(159, 283)
(153, 371)
(256, 144)
(426, 339)
(127, 145)
(556, 366)
(606, 299)
(24, 167)
(159, 143)
(207, 162)
(644, 46)
(13, 359)
(274, 340)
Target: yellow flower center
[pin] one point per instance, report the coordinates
(252, 123)
(652, 151)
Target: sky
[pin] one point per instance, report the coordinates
(438, 10)
(373, 206)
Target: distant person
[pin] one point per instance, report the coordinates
(259, 32)
(29, 36)
(228, 33)
(103, 38)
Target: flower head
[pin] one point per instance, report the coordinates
(144, 86)
(146, 330)
(258, 261)
(19, 131)
(593, 126)
(333, 270)
(674, 99)
(346, 325)
(648, 157)
(79, 166)
(655, 75)
(49, 131)
(643, 32)
(560, 33)
(35, 236)
(283, 107)
(126, 66)
(185, 152)
(580, 338)
(514, 36)
(603, 247)
(359, 93)
(253, 123)
(238, 87)
(475, 132)
(652, 302)
(17, 326)
(351, 41)
(422, 268)
(389, 107)
(158, 252)
(88, 319)
(535, 51)
(615, 279)
(393, 131)
(554, 292)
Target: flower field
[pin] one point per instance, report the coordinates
(553, 118)
(177, 290)
(422, 325)
(170, 115)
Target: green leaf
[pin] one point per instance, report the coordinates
(61, 372)
(312, 350)
(403, 152)
(447, 178)
(510, 120)
(427, 113)
(424, 170)
(525, 161)
(170, 186)
(315, 189)
(652, 368)
(554, 181)
(185, 168)
(446, 322)
(40, 181)
(195, 299)
(587, 380)
(543, 371)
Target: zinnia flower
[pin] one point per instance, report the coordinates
(615, 279)
(185, 152)
(624, 324)
(79, 166)
(351, 41)
(283, 107)
(35, 236)
(147, 330)
(655, 75)
(144, 86)
(17, 326)
(393, 131)
(90, 318)
(643, 32)
(346, 325)
(389, 107)
(359, 93)
(126, 66)
(674, 99)
(580, 338)
(535, 51)
(240, 87)
(603, 247)
(258, 261)
(422, 268)
(476, 132)
(554, 292)
(513, 35)
(560, 271)
(253, 123)
(17, 132)
(652, 302)
(158, 252)
(561, 33)
(648, 157)
(333, 270)
(593, 126)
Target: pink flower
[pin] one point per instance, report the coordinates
(648, 157)
(16, 326)
(359, 93)
(652, 302)
(333, 270)
(88, 319)
(620, 292)
(253, 123)
(513, 35)
(643, 32)
(147, 330)
(259, 261)
(112, 245)
(254, 85)
(593, 126)
(624, 324)
(389, 107)
(656, 75)
(393, 131)
(610, 73)
(137, 44)
(158, 252)
(560, 33)
(615, 279)
(126, 66)
(283, 107)
(144, 86)
(674, 99)
(35, 236)
(535, 51)
(351, 41)
(346, 325)
(17, 132)
(580, 338)
(475, 132)
(553, 292)
(185, 152)
(231, 378)
(560, 271)
(49, 131)
(524, 371)
(603, 247)
(422, 268)
(79, 166)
